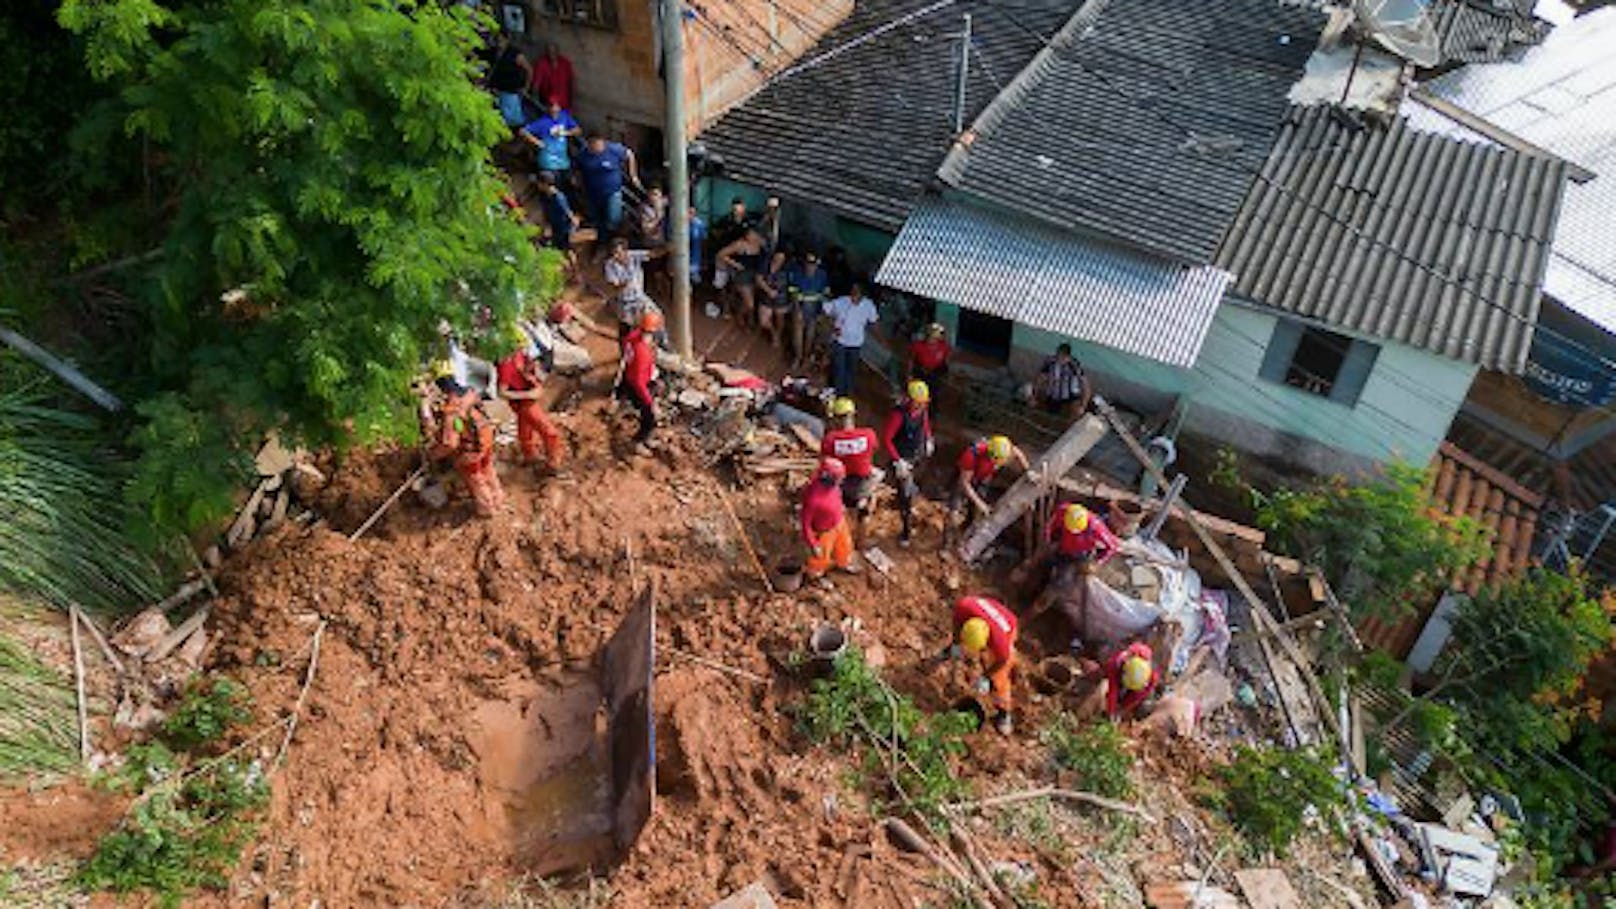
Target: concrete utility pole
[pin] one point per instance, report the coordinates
(673, 131)
(964, 76)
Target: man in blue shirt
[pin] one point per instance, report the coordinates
(808, 286)
(604, 166)
(549, 135)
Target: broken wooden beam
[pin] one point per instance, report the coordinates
(177, 637)
(1060, 458)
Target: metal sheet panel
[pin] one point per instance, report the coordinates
(1408, 236)
(1560, 96)
(1013, 267)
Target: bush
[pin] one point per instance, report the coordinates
(1267, 794)
(211, 707)
(1098, 753)
(855, 708)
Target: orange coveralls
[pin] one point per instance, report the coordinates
(466, 432)
(999, 657)
(520, 372)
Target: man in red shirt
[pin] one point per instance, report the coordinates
(928, 359)
(854, 446)
(637, 373)
(1130, 678)
(552, 76)
(906, 437)
(520, 383)
(985, 628)
(824, 521)
(1080, 536)
(976, 467)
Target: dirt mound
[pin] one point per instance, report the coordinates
(62, 820)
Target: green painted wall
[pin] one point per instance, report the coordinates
(1404, 411)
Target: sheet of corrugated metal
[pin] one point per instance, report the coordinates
(1469, 32)
(1403, 235)
(1560, 96)
(1015, 268)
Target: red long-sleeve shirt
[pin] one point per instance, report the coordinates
(854, 447)
(1117, 703)
(553, 78)
(639, 364)
(1001, 624)
(929, 354)
(1096, 537)
(893, 434)
(822, 510)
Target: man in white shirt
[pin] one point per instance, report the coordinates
(853, 315)
(625, 272)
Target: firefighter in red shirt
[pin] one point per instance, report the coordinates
(638, 372)
(906, 437)
(1130, 678)
(928, 360)
(521, 383)
(824, 521)
(464, 432)
(976, 467)
(1080, 536)
(855, 447)
(986, 629)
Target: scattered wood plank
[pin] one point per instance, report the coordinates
(805, 435)
(78, 686)
(1188, 895)
(185, 592)
(906, 838)
(78, 615)
(966, 847)
(1267, 888)
(177, 637)
(241, 529)
(1060, 458)
(1384, 872)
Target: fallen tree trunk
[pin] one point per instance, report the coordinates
(1060, 458)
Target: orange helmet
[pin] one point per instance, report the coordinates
(651, 320)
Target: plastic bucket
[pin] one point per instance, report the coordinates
(787, 576)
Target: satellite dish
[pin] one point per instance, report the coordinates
(1402, 27)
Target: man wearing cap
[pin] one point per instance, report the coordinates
(985, 628)
(928, 359)
(907, 439)
(854, 446)
(824, 521)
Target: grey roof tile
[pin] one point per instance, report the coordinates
(1143, 121)
(862, 133)
(1403, 235)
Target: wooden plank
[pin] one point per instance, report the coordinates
(1267, 888)
(1182, 895)
(1575, 172)
(1218, 525)
(1056, 461)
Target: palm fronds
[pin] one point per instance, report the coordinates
(62, 531)
(38, 718)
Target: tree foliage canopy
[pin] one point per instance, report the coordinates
(327, 166)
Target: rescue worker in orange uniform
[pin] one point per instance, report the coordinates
(855, 447)
(465, 433)
(824, 521)
(521, 383)
(986, 629)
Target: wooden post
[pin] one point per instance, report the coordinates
(1056, 462)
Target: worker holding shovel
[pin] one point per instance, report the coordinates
(985, 629)
(521, 384)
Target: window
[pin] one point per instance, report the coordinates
(1318, 361)
(599, 13)
(984, 335)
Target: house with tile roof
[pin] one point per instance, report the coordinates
(1302, 282)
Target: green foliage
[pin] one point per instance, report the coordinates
(1098, 752)
(61, 540)
(38, 720)
(1267, 794)
(212, 706)
(46, 88)
(1378, 542)
(178, 839)
(335, 203)
(855, 708)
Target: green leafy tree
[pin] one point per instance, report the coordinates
(327, 165)
(1379, 542)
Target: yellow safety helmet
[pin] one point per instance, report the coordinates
(919, 392)
(1076, 518)
(842, 407)
(1135, 673)
(999, 449)
(973, 635)
(441, 369)
(935, 330)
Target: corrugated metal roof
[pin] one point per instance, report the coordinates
(1478, 31)
(1376, 229)
(1096, 133)
(861, 132)
(1560, 96)
(1462, 486)
(1013, 267)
